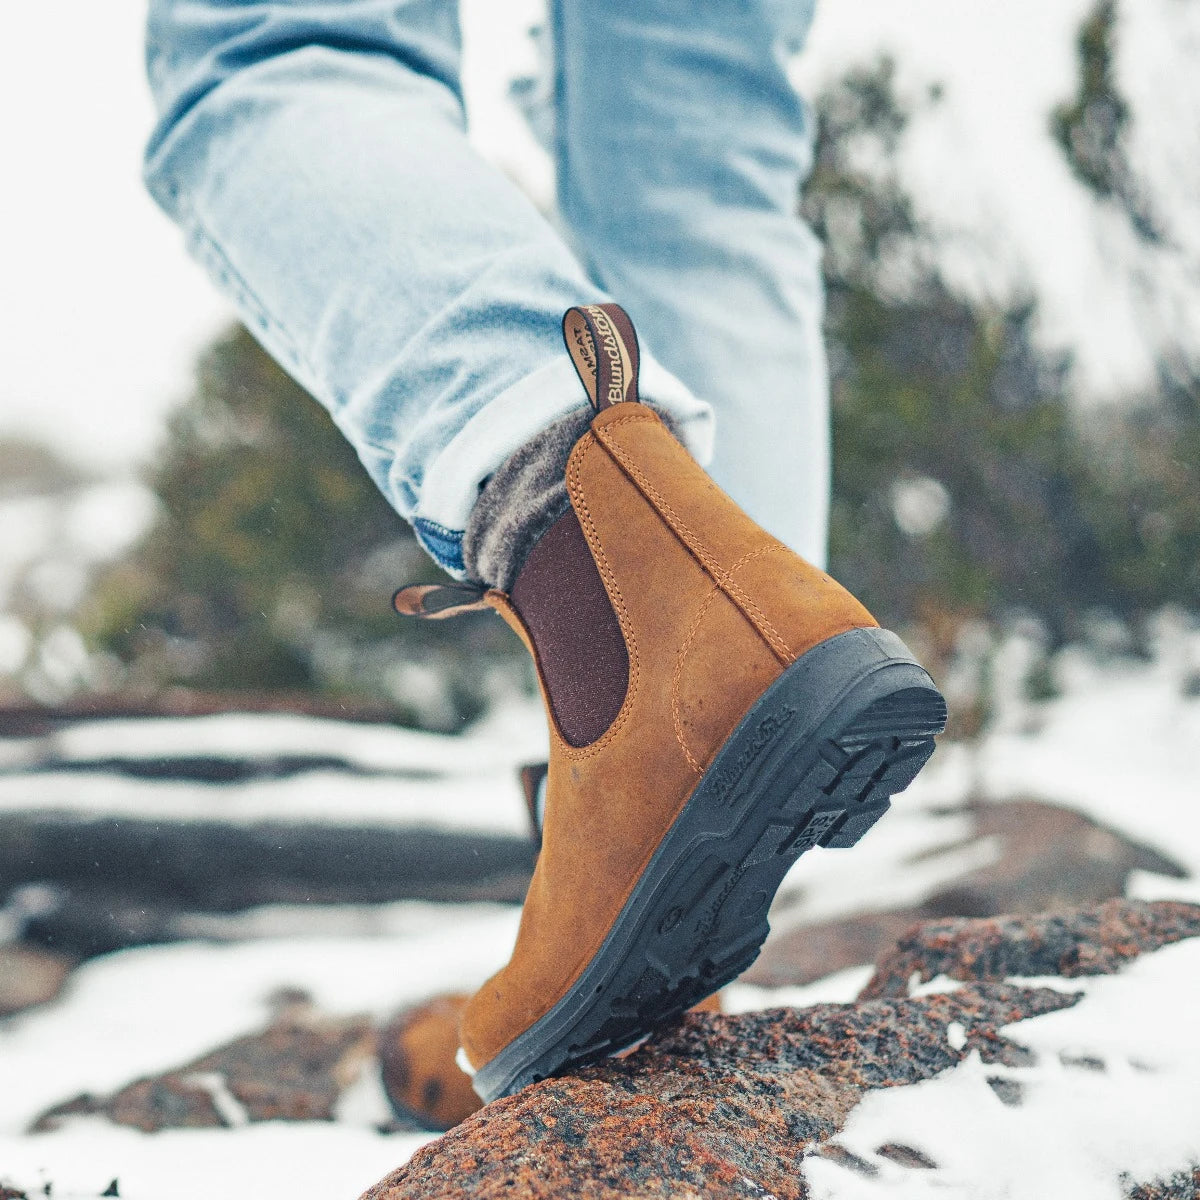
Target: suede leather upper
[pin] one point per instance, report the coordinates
(712, 609)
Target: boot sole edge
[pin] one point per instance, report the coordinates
(814, 761)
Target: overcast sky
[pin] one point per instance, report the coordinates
(102, 312)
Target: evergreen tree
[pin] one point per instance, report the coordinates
(1092, 128)
(962, 484)
(273, 560)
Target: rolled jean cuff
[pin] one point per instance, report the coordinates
(453, 481)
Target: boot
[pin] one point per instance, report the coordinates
(717, 706)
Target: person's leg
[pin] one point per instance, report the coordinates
(314, 153)
(681, 146)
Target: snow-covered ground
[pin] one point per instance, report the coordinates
(387, 775)
(1114, 1090)
(1122, 743)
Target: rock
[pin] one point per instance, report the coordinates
(1050, 858)
(121, 882)
(294, 1070)
(728, 1106)
(30, 976)
(417, 1052)
(1093, 941)
(7, 1193)
(722, 1106)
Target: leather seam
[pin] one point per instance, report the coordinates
(685, 534)
(676, 718)
(705, 605)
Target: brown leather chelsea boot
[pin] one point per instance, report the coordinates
(717, 706)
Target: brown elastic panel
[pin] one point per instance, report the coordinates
(560, 597)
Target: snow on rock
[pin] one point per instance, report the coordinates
(484, 802)
(1109, 1091)
(1020, 1088)
(296, 1069)
(1091, 941)
(1122, 744)
(1102, 779)
(1039, 856)
(142, 1011)
(724, 1105)
(138, 1013)
(283, 766)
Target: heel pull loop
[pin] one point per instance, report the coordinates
(436, 601)
(604, 348)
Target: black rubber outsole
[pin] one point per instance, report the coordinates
(813, 762)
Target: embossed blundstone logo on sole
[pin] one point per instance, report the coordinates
(730, 774)
(712, 912)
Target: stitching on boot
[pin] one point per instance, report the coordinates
(676, 717)
(685, 534)
(705, 605)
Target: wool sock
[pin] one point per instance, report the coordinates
(519, 502)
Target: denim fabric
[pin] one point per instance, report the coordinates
(314, 153)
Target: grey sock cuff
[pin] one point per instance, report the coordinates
(522, 499)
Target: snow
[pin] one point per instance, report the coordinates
(1079, 1126)
(141, 1011)
(1122, 745)
(1119, 744)
(147, 1009)
(233, 735)
(485, 802)
(303, 1162)
(412, 779)
(839, 988)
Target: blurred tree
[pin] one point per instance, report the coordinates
(962, 485)
(31, 468)
(273, 560)
(1143, 491)
(1142, 496)
(1092, 127)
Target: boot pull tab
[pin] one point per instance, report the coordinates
(435, 601)
(604, 348)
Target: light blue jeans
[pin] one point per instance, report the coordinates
(314, 153)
